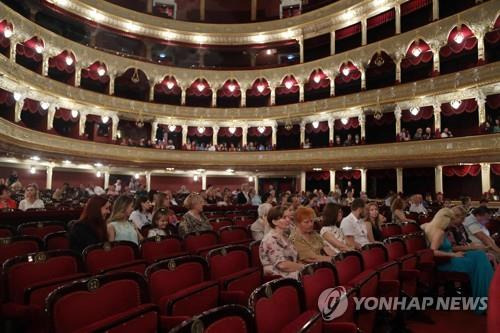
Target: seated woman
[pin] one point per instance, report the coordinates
(141, 215)
(6, 202)
(91, 227)
(277, 254)
(373, 221)
(31, 200)
(330, 231)
(309, 244)
(260, 227)
(474, 263)
(398, 215)
(119, 226)
(194, 219)
(162, 201)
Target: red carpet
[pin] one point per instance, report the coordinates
(449, 322)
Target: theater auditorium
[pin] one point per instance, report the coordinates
(249, 166)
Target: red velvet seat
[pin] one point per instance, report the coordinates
(390, 230)
(28, 279)
(161, 247)
(243, 221)
(113, 256)
(199, 242)
(6, 231)
(18, 246)
(410, 228)
(180, 287)
(234, 235)
(416, 244)
(279, 306)
(56, 241)
(254, 250)
(494, 304)
(396, 250)
(39, 229)
(218, 223)
(375, 257)
(230, 265)
(228, 318)
(116, 302)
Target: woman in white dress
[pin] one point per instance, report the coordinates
(31, 200)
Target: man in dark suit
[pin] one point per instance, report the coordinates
(243, 197)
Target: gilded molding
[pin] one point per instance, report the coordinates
(485, 148)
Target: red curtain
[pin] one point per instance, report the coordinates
(253, 91)
(352, 123)
(178, 129)
(193, 131)
(225, 92)
(425, 55)
(426, 112)
(386, 119)
(59, 62)
(163, 88)
(193, 89)
(7, 98)
(4, 42)
(462, 170)
(493, 101)
(354, 74)
(351, 174)
(27, 49)
(413, 5)
(283, 90)
(33, 106)
(65, 115)
(493, 36)
(322, 127)
(380, 19)
(91, 73)
(323, 83)
(495, 168)
(295, 130)
(469, 42)
(467, 105)
(253, 131)
(224, 132)
(348, 31)
(318, 175)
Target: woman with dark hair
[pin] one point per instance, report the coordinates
(91, 227)
(141, 215)
(330, 231)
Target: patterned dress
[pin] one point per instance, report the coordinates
(192, 224)
(275, 249)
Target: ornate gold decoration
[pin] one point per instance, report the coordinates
(93, 284)
(223, 251)
(197, 326)
(40, 257)
(268, 291)
(135, 77)
(39, 225)
(171, 265)
(5, 241)
(157, 238)
(106, 246)
(379, 61)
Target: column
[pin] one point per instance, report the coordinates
(12, 51)
(45, 64)
(111, 89)
(362, 124)
(48, 182)
(244, 133)
(437, 117)
(435, 10)
(256, 183)
(50, 117)
(81, 123)
(301, 91)
(363, 78)
(149, 8)
(399, 180)
(215, 131)
(302, 181)
(202, 10)
(273, 135)
(148, 181)
(152, 90)
(184, 134)
(154, 127)
(214, 98)
(114, 127)
(397, 10)
(272, 99)
(331, 130)
(204, 181)
(18, 109)
(438, 178)
(363, 180)
(332, 180)
(301, 45)
(253, 16)
(243, 92)
(332, 42)
(480, 47)
(397, 115)
(435, 61)
(78, 74)
(363, 32)
(398, 69)
(332, 85)
(183, 95)
(302, 134)
(106, 179)
(481, 108)
(485, 177)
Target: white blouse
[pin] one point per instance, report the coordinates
(24, 205)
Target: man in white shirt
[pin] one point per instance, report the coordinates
(417, 205)
(475, 226)
(353, 227)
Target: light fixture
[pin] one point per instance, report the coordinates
(416, 51)
(136, 176)
(170, 84)
(118, 134)
(35, 158)
(231, 87)
(230, 170)
(195, 178)
(414, 110)
(7, 32)
(346, 71)
(17, 96)
(269, 51)
(232, 129)
(261, 87)
(200, 86)
(104, 119)
(66, 162)
(98, 165)
(288, 34)
(74, 113)
(172, 128)
(139, 123)
(32, 170)
(38, 48)
(44, 105)
(317, 78)
(261, 129)
(459, 38)
(455, 103)
(344, 121)
(347, 168)
(69, 60)
(101, 71)
(315, 124)
(98, 174)
(200, 170)
(201, 129)
(170, 169)
(317, 169)
(290, 57)
(162, 55)
(250, 179)
(288, 84)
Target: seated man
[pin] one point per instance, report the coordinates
(475, 226)
(353, 226)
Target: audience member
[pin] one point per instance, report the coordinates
(119, 226)
(141, 215)
(373, 222)
(397, 210)
(260, 227)
(353, 227)
(478, 233)
(331, 217)
(417, 205)
(194, 219)
(6, 202)
(161, 224)
(31, 199)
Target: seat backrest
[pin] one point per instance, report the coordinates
(159, 247)
(233, 234)
(218, 223)
(315, 278)
(56, 241)
(390, 230)
(196, 240)
(276, 303)
(22, 272)
(374, 255)
(415, 242)
(409, 228)
(84, 302)
(228, 318)
(494, 304)
(40, 229)
(348, 265)
(6, 232)
(228, 260)
(18, 245)
(254, 250)
(99, 257)
(243, 221)
(396, 247)
(171, 275)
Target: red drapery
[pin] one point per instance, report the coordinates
(126, 80)
(318, 175)
(163, 86)
(386, 119)
(4, 42)
(461, 170)
(224, 91)
(7, 98)
(59, 62)
(425, 55)
(33, 106)
(380, 19)
(495, 168)
(352, 123)
(27, 49)
(253, 131)
(253, 91)
(493, 101)
(426, 112)
(322, 127)
(295, 130)
(178, 129)
(354, 74)
(467, 105)
(380, 61)
(193, 131)
(323, 83)
(351, 174)
(194, 91)
(224, 132)
(283, 90)
(413, 5)
(65, 115)
(493, 36)
(92, 72)
(348, 31)
(469, 42)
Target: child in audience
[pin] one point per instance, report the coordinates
(161, 224)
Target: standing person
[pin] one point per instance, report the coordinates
(6, 202)
(91, 227)
(31, 200)
(243, 197)
(141, 215)
(353, 227)
(194, 219)
(119, 226)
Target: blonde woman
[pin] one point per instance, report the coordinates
(260, 227)
(31, 200)
(194, 219)
(119, 226)
(398, 215)
(474, 263)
